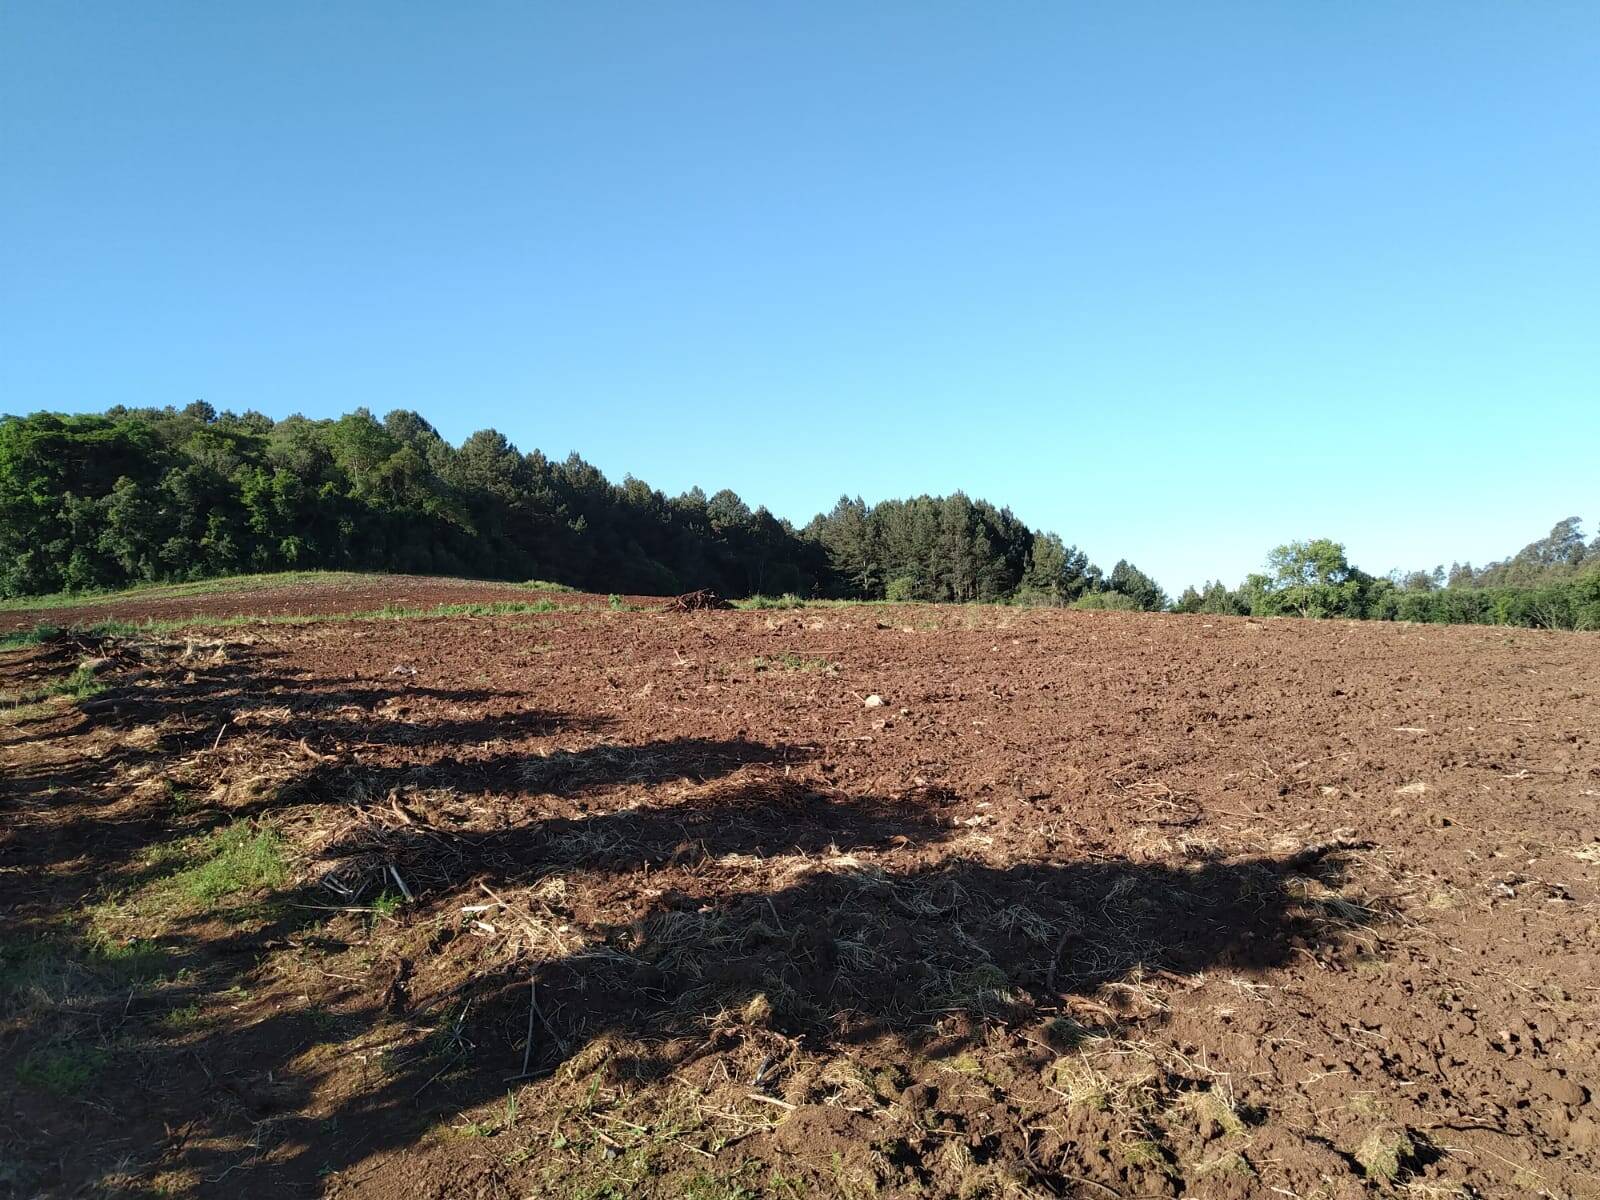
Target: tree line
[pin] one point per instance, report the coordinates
(143, 495)
(951, 548)
(1551, 583)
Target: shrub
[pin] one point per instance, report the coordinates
(1112, 601)
(901, 589)
(786, 601)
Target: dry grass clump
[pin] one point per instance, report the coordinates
(1385, 1152)
(909, 950)
(371, 847)
(1081, 1085)
(1147, 1154)
(782, 972)
(696, 949)
(1228, 1163)
(1214, 1112)
(564, 771)
(533, 922)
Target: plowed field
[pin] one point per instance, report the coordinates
(841, 901)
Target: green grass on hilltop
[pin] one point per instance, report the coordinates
(179, 591)
(391, 612)
(245, 583)
(789, 600)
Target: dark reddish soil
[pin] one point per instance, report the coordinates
(832, 902)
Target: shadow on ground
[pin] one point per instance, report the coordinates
(202, 1049)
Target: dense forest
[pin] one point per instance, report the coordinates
(148, 495)
(143, 495)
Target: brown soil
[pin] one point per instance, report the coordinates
(343, 594)
(856, 902)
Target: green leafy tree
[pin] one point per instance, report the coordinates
(1055, 573)
(1217, 600)
(130, 532)
(1127, 580)
(1311, 579)
(902, 589)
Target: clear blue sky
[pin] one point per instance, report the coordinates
(1178, 280)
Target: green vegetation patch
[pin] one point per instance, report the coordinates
(791, 601)
(705, 1185)
(785, 601)
(1146, 1154)
(18, 713)
(392, 612)
(235, 863)
(232, 861)
(29, 637)
(496, 608)
(185, 1016)
(80, 685)
(1107, 601)
(48, 971)
(178, 591)
(790, 661)
(65, 1069)
(52, 983)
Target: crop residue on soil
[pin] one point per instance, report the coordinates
(605, 903)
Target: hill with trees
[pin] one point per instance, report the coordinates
(132, 496)
(151, 495)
